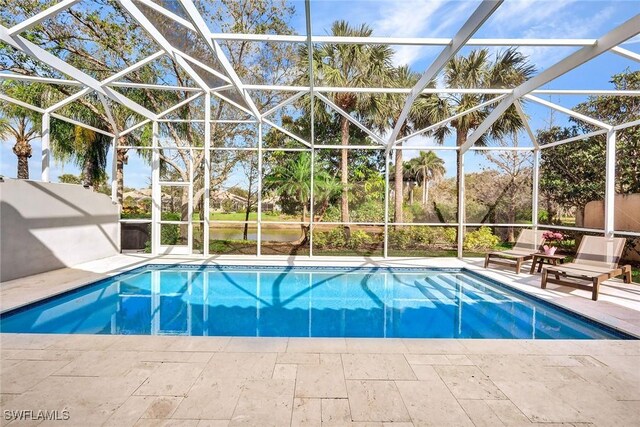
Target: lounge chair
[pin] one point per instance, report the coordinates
(529, 242)
(596, 261)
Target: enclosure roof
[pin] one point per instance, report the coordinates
(213, 72)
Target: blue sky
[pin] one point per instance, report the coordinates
(440, 18)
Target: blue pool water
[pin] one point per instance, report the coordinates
(302, 302)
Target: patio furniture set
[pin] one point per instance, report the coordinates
(596, 260)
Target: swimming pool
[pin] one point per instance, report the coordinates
(302, 302)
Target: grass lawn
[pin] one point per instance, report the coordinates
(422, 253)
(247, 247)
(235, 247)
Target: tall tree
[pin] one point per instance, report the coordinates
(349, 65)
(515, 169)
(87, 148)
(508, 69)
(570, 177)
(618, 110)
(386, 117)
(19, 123)
(250, 166)
(427, 167)
(101, 39)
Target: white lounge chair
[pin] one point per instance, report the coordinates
(529, 243)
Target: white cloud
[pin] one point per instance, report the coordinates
(406, 19)
(419, 19)
(516, 14)
(543, 19)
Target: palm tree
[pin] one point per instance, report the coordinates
(20, 123)
(293, 179)
(386, 118)
(87, 148)
(509, 69)
(427, 167)
(21, 128)
(349, 65)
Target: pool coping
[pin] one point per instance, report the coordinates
(620, 331)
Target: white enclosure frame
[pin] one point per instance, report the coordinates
(588, 49)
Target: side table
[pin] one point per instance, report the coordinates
(542, 258)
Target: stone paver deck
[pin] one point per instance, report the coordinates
(220, 381)
(201, 381)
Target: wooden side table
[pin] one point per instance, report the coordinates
(542, 258)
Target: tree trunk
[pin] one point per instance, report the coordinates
(319, 213)
(23, 167)
(424, 187)
(511, 236)
(87, 172)
(550, 211)
(426, 192)
(399, 186)
(22, 149)
(511, 212)
(121, 160)
(184, 216)
(304, 228)
(245, 233)
(344, 179)
(411, 187)
(438, 213)
(491, 213)
(461, 138)
(579, 216)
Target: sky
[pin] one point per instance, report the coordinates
(442, 18)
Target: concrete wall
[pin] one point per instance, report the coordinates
(626, 215)
(626, 218)
(45, 226)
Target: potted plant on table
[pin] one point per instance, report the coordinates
(551, 239)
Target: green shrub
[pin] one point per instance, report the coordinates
(169, 234)
(422, 235)
(319, 240)
(170, 216)
(481, 239)
(359, 238)
(450, 235)
(407, 214)
(335, 238)
(400, 238)
(543, 216)
(332, 214)
(329, 239)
